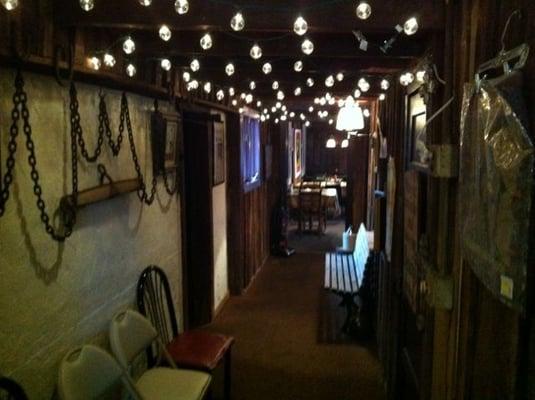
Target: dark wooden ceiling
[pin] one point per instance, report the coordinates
(270, 24)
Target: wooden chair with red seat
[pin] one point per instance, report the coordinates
(194, 349)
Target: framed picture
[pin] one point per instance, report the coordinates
(298, 153)
(165, 136)
(219, 172)
(419, 154)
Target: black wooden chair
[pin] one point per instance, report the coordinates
(10, 390)
(311, 209)
(193, 349)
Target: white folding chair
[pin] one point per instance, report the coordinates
(130, 334)
(90, 373)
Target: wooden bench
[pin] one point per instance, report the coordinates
(344, 274)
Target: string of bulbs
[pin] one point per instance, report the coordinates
(237, 23)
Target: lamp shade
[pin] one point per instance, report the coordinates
(350, 117)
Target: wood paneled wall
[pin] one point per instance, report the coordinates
(321, 160)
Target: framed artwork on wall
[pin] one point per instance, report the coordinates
(419, 154)
(298, 153)
(219, 154)
(165, 136)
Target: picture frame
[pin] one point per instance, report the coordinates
(298, 153)
(218, 148)
(165, 137)
(418, 152)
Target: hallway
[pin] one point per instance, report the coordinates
(288, 344)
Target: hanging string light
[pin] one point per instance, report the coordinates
(280, 95)
(259, 104)
(275, 85)
(181, 6)
(310, 109)
(421, 76)
(193, 85)
(329, 81)
(234, 102)
(266, 68)
(207, 87)
(220, 95)
(406, 79)
(249, 98)
(256, 52)
(382, 97)
(297, 91)
(229, 69)
(206, 41)
(165, 33)
(310, 82)
(94, 63)
(231, 91)
(300, 26)
(339, 76)
(145, 3)
(131, 70)
(186, 76)
(385, 84)
(363, 85)
(109, 60)
(165, 64)
(87, 5)
(129, 46)
(298, 66)
(195, 65)
(357, 94)
(237, 22)
(252, 85)
(307, 124)
(411, 26)
(307, 47)
(363, 10)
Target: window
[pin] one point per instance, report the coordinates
(250, 148)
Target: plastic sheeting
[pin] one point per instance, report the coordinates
(496, 184)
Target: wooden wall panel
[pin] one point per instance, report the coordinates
(319, 159)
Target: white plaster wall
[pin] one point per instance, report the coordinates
(57, 296)
(219, 205)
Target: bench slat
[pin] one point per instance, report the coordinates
(339, 272)
(345, 272)
(353, 272)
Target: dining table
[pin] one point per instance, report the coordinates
(329, 197)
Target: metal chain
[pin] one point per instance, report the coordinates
(105, 121)
(77, 127)
(68, 207)
(168, 189)
(142, 191)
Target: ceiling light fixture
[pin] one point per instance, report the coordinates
(350, 117)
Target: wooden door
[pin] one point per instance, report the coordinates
(198, 137)
(416, 317)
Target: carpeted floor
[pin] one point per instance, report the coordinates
(288, 340)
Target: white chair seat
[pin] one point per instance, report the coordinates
(173, 384)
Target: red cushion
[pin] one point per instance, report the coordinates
(199, 349)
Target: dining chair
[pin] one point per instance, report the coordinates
(89, 373)
(131, 334)
(195, 349)
(11, 390)
(311, 209)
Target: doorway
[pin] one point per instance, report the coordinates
(198, 234)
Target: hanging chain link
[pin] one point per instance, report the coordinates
(105, 121)
(142, 191)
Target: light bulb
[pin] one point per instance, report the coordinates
(165, 64)
(280, 95)
(283, 108)
(273, 109)
(331, 121)
(263, 118)
(292, 114)
(275, 85)
(237, 22)
(316, 100)
(421, 76)
(307, 47)
(406, 79)
(181, 6)
(242, 96)
(266, 68)
(145, 3)
(328, 96)
(298, 66)
(339, 77)
(193, 85)
(276, 120)
(411, 26)
(329, 82)
(186, 76)
(344, 144)
(363, 85)
(310, 82)
(195, 65)
(278, 105)
(130, 70)
(229, 69)
(165, 33)
(382, 96)
(220, 95)
(364, 10)
(323, 101)
(366, 113)
(129, 46)
(259, 104)
(241, 110)
(252, 85)
(206, 41)
(310, 109)
(307, 124)
(256, 52)
(385, 84)
(234, 102)
(300, 26)
(297, 91)
(249, 98)
(87, 5)
(231, 91)
(94, 63)
(357, 94)
(332, 101)
(283, 118)
(109, 60)
(207, 87)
